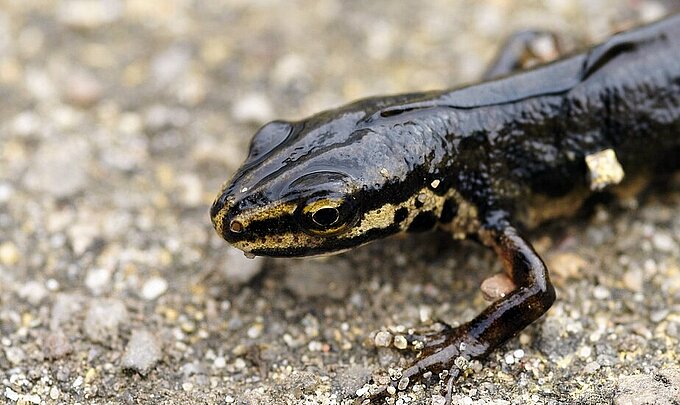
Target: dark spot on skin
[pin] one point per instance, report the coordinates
(423, 222)
(449, 211)
(400, 215)
(663, 380)
(418, 203)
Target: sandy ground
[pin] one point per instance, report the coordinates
(120, 120)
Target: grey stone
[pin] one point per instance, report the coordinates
(59, 167)
(103, 319)
(143, 351)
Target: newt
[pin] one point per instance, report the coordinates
(486, 161)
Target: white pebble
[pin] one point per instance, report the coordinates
(253, 108)
(255, 331)
(519, 353)
(52, 284)
(54, 393)
(400, 342)
(591, 367)
(154, 288)
(33, 292)
(142, 352)
(220, 362)
(664, 243)
(585, 352)
(11, 395)
(6, 191)
(239, 364)
(601, 293)
(382, 339)
(97, 280)
(88, 14)
(509, 359)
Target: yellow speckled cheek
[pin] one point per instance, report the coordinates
(280, 242)
(380, 218)
(218, 221)
(422, 201)
(261, 213)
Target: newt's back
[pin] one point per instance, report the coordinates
(539, 125)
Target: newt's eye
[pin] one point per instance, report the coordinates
(326, 217)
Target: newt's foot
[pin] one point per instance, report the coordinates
(448, 353)
(444, 355)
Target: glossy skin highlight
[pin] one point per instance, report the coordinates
(480, 161)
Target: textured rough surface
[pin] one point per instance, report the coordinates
(662, 387)
(120, 120)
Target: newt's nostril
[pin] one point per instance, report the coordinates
(235, 226)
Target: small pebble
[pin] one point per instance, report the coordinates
(11, 395)
(6, 192)
(54, 393)
(59, 167)
(142, 352)
(519, 353)
(170, 65)
(400, 342)
(65, 305)
(103, 319)
(585, 352)
(601, 292)
(664, 243)
(240, 364)
(255, 331)
(98, 280)
(383, 339)
(9, 253)
(52, 284)
(154, 288)
(56, 345)
(633, 279)
(89, 14)
(220, 362)
(15, 355)
(254, 108)
(33, 292)
(591, 367)
(403, 383)
(83, 89)
(438, 400)
(509, 359)
(659, 315)
(567, 265)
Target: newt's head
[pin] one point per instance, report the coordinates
(326, 184)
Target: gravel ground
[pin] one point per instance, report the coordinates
(121, 119)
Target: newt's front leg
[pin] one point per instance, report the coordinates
(532, 297)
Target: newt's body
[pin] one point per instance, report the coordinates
(480, 161)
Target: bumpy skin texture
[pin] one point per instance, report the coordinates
(475, 160)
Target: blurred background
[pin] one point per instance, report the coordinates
(119, 121)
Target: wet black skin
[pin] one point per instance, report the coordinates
(498, 143)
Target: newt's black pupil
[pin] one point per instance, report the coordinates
(326, 216)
